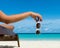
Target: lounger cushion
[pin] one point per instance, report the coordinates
(7, 35)
(6, 31)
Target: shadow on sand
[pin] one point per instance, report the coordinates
(7, 46)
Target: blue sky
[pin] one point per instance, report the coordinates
(49, 9)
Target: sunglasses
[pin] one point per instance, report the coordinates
(37, 25)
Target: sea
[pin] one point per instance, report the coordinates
(42, 36)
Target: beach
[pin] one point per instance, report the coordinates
(31, 44)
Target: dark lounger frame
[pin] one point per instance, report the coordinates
(3, 38)
(8, 35)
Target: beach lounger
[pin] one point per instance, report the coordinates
(8, 35)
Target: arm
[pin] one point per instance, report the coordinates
(2, 16)
(17, 17)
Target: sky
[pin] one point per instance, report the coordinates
(49, 9)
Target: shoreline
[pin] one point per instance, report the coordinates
(33, 43)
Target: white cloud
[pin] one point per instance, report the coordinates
(46, 29)
(28, 25)
(47, 26)
(53, 26)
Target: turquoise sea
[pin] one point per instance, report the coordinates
(42, 36)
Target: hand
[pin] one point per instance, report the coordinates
(34, 15)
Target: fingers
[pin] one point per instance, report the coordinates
(40, 17)
(34, 15)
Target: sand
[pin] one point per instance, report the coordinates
(31, 44)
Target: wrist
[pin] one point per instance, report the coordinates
(30, 13)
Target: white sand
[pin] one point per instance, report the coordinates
(33, 44)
